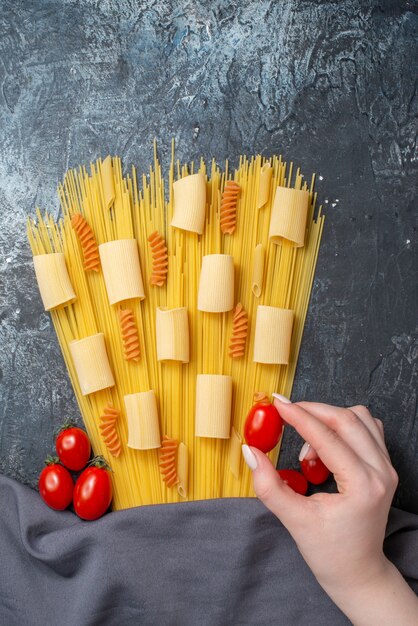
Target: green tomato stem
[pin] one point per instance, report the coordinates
(99, 461)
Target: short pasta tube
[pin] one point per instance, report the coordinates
(288, 216)
(172, 334)
(273, 334)
(121, 270)
(235, 452)
(190, 203)
(258, 270)
(213, 406)
(266, 173)
(143, 423)
(182, 470)
(216, 284)
(53, 280)
(108, 184)
(91, 363)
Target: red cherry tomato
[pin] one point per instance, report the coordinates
(93, 491)
(263, 427)
(315, 471)
(56, 485)
(295, 480)
(73, 448)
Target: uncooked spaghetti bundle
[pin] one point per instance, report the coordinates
(194, 310)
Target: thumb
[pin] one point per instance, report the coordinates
(273, 492)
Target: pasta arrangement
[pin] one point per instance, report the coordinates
(174, 313)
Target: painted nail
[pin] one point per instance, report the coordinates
(281, 398)
(249, 457)
(304, 450)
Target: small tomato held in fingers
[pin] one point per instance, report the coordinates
(263, 427)
(295, 480)
(73, 447)
(315, 471)
(56, 485)
(93, 490)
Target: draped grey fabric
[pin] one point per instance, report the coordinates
(212, 562)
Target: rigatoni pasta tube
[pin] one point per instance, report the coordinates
(258, 270)
(264, 185)
(172, 333)
(53, 280)
(213, 405)
(288, 216)
(216, 284)
(273, 333)
(121, 270)
(182, 470)
(190, 203)
(235, 452)
(143, 423)
(106, 172)
(91, 363)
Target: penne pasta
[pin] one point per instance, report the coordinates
(182, 471)
(258, 270)
(108, 184)
(235, 452)
(266, 174)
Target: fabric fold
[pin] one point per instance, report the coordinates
(217, 562)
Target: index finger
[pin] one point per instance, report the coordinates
(340, 459)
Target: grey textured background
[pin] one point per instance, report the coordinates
(331, 85)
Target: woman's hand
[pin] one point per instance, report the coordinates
(340, 536)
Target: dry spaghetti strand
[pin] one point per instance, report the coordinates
(88, 242)
(167, 461)
(239, 332)
(108, 429)
(130, 336)
(159, 259)
(228, 211)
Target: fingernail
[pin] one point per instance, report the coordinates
(249, 457)
(304, 450)
(281, 398)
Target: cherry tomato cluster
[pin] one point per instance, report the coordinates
(92, 493)
(263, 429)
